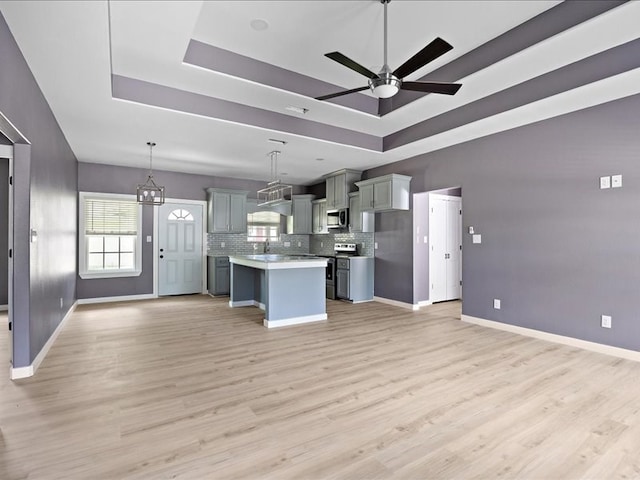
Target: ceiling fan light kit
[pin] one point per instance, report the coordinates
(387, 83)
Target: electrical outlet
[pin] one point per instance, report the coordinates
(496, 303)
(222, 244)
(287, 244)
(605, 321)
(616, 181)
(605, 182)
(299, 244)
(375, 245)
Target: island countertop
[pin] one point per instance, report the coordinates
(271, 261)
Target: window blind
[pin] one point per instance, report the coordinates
(110, 217)
(264, 219)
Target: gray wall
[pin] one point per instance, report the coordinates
(556, 249)
(112, 179)
(45, 178)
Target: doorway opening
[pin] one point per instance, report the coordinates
(6, 244)
(438, 246)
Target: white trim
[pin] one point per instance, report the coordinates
(4, 308)
(6, 151)
(30, 370)
(424, 303)
(83, 272)
(552, 337)
(294, 320)
(156, 246)
(120, 298)
(396, 303)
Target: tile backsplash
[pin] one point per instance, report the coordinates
(236, 243)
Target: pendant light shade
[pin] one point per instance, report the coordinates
(149, 193)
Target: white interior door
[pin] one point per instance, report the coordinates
(180, 259)
(445, 254)
(454, 251)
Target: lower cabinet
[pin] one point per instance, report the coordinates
(218, 273)
(354, 278)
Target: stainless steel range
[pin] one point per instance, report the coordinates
(340, 250)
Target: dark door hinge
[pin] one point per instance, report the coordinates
(10, 252)
(10, 325)
(10, 179)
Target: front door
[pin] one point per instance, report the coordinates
(180, 259)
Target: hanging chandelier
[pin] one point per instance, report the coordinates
(149, 193)
(276, 193)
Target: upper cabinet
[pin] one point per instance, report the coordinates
(226, 211)
(390, 192)
(300, 221)
(359, 221)
(319, 216)
(338, 185)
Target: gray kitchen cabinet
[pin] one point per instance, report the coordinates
(226, 210)
(359, 221)
(389, 192)
(300, 221)
(319, 216)
(218, 275)
(354, 278)
(338, 185)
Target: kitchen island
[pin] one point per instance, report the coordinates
(289, 288)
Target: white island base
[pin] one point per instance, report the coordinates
(290, 289)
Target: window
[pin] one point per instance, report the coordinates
(263, 226)
(180, 214)
(110, 240)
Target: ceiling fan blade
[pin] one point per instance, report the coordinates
(347, 62)
(339, 94)
(427, 54)
(432, 87)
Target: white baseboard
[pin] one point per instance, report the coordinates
(396, 303)
(294, 320)
(4, 308)
(120, 298)
(552, 337)
(30, 370)
(425, 303)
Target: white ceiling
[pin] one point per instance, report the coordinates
(67, 46)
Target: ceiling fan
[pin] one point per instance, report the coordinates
(387, 83)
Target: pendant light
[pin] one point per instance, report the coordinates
(149, 193)
(276, 193)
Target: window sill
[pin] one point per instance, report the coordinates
(90, 275)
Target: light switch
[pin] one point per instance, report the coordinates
(425, 239)
(477, 238)
(616, 181)
(375, 245)
(34, 236)
(496, 303)
(605, 182)
(148, 238)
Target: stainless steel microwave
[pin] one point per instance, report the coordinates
(338, 218)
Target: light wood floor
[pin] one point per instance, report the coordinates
(187, 388)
